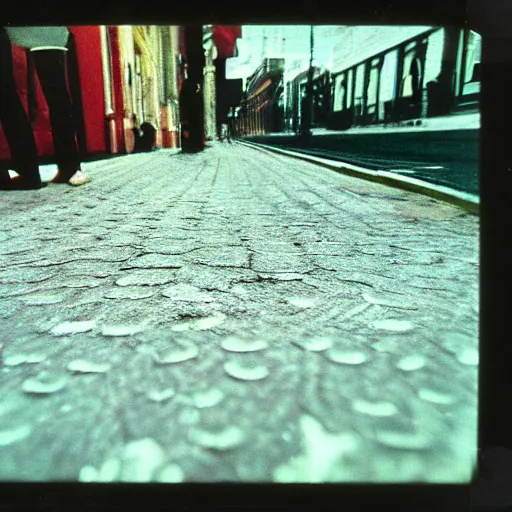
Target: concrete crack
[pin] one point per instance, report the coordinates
(213, 265)
(356, 281)
(144, 253)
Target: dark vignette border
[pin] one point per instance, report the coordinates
(493, 20)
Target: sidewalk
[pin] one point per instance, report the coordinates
(429, 156)
(238, 316)
(442, 123)
(467, 201)
(49, 171)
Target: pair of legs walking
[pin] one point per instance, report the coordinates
(51, 70)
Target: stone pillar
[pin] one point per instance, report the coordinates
(169, 84)
(173, 94)
(209, 90)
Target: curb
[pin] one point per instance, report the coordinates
(468, 202)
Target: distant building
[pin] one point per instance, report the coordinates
(150, 64)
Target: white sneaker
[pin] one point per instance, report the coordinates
(79, 178)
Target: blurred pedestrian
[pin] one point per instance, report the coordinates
(148, 137)
(136, 135)
(228, 131)
(225, 132)
(48, 49)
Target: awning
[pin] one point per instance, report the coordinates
(260, 89)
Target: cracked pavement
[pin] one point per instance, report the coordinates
(236, 315)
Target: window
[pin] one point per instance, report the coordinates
(373, 83)
(406, 89)
(473, 55)
(130, 76)
(412, 75)
(410, 46)
(434, 56)
(339, 92)
(350, 82)
(359, 87)
(416, 74)
(303, 91)
(388, 76)
(471, 76)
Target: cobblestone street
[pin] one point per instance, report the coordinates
(236, 315)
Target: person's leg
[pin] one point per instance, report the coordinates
(16, 126)
(51, 70)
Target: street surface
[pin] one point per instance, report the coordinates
(449, 158)
(235, 315)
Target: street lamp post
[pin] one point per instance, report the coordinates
(308, 103)
(285, 92)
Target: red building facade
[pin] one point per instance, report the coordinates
(85, 83)
(104, 122)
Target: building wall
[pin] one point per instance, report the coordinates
(426, 68)
(146, 87)
(352, 45)
(153, 95)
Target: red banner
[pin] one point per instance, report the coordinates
(224, 37)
